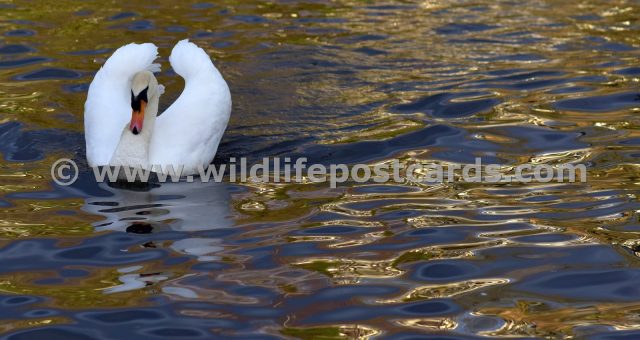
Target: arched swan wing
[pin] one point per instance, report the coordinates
(188, 133)
(108, 106)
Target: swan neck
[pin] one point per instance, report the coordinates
(133, 150)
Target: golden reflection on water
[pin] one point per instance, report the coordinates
(446, 290)
(430, 323)
(529, 318)
(301, 77)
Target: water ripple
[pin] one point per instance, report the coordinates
(350, 82)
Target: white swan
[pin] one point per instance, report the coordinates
(122, 105)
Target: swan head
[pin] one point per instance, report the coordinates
(143, 87)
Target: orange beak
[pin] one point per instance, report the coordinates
(137, 117)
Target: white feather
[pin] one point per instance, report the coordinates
(108, 106)
(187, 134)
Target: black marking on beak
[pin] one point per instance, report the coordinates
(135, 130)
(135, 100)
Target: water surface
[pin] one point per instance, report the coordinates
(336, 81)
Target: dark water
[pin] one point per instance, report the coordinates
(345, 81)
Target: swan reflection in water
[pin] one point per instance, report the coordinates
(182, 207)
(178, 206)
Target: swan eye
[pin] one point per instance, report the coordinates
(135, 100)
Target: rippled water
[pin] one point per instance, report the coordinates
(344, 82)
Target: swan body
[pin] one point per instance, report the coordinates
(122, 125)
